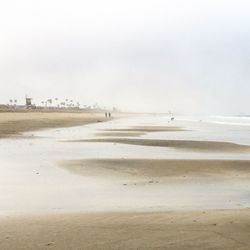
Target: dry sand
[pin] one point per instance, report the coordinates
(210, 146)
(144, 168)
(194, 230)
(14, 123)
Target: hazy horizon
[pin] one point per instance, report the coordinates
(184, 56)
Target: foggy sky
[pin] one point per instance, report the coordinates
(188, 56)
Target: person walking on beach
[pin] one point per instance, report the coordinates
(106, 114)
(109, 115)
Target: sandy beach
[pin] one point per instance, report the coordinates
(148, 129)
(125, 125)
(215, 146)
(14, 123)
(217, 229)
(131, 183)
(160, 169)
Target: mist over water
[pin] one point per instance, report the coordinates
(189, 57)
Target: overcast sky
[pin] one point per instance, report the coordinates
(181, 55)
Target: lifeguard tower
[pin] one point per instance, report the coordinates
(28, 102)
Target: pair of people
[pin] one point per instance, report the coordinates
(107, 114)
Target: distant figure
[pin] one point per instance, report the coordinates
(109, 115)
(106, 114)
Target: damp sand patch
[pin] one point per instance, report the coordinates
(119, 134)
(188, 145)
(145, 129)
(151, 168)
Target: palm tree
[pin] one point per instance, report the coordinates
(66, 102)
(56, 104)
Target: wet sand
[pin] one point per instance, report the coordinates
(189, 230)
(145, 168)
(120, 134)
(143, 228)
(136, 131)
(14, 123)
(209, 146)
(149, 129)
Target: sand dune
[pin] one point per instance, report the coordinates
(214, 229)
(210, 146)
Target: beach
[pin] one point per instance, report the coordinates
(138, 182)
(220, 229)
(125, 125)
(145, 168)
(14, 123)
